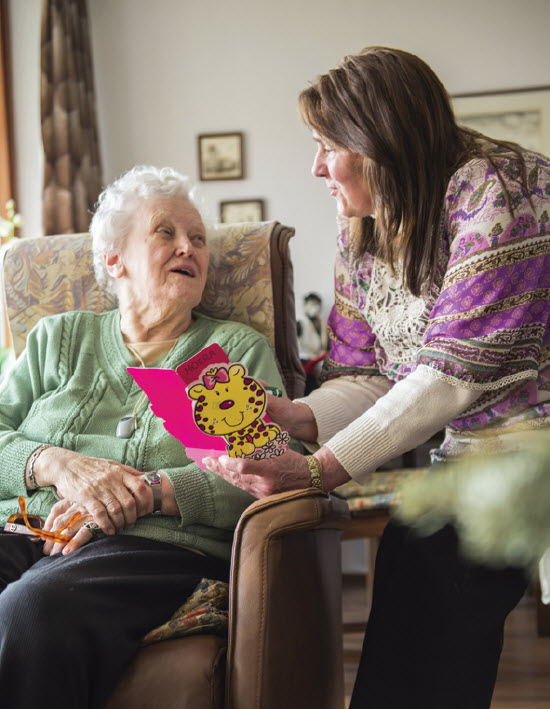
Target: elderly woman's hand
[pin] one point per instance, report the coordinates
(113, 494)
(289, 471)
(60, 515)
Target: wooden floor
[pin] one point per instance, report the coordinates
(524, 673)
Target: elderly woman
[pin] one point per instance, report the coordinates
(152, 523)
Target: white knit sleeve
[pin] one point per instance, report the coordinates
(410, 413)
(340, 401)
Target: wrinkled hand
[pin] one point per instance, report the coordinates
(263, 477)
(289, 471)
(59, 516)
(112, 493)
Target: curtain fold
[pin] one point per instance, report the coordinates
(7, 152)
(72, 168)
(7, 168)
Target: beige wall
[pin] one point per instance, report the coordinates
(167, 70)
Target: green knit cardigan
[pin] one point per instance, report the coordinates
(70, 387)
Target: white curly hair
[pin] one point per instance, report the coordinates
(111, 221)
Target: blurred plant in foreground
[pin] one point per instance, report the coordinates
(499, 504)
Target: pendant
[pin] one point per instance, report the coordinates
(126, 426)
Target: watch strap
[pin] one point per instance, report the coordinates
(315, 471)
(153, 480)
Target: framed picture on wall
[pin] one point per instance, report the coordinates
(519, 115)
(242, 210)
(221, 156)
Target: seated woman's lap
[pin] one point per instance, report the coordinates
(17, 554)
(70, 624)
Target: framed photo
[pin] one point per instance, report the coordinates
(519, 115)
(221, 156)
(242, 210)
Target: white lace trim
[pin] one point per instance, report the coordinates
(398, 318)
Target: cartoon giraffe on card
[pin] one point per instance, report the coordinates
(230, 404)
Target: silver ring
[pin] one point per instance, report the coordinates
(92, 527)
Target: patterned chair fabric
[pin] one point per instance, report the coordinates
(249, 280)
(382, 490)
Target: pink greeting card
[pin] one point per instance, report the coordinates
(213, 407)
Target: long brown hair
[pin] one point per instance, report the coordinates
(390, 107)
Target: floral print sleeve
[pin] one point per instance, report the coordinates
(352, 341)
(489, 329)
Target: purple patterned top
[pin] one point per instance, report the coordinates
(485, 323)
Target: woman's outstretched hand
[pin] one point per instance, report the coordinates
(289, 471)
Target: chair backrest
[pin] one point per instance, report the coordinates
(249, 280)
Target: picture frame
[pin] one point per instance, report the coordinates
(220, 156)
(242, 210)
(518, 115)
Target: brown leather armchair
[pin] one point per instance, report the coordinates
(284, 646)
(285, 633)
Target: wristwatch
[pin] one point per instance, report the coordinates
(153, 480)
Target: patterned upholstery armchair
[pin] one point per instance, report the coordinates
(249, 280)
(284, 645)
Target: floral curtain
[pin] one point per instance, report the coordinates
(72, 169)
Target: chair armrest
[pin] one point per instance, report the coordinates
(285, 627)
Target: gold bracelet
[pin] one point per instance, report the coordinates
(315, 471)
(32, 461)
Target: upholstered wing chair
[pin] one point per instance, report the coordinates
(284, 645)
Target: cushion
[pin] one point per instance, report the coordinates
(205, 611)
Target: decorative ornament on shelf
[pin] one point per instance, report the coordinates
(9, 225)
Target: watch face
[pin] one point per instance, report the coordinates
(153, 478)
